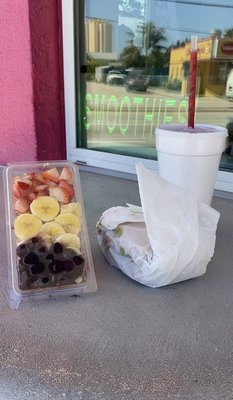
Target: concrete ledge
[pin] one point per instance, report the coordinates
(125, 341)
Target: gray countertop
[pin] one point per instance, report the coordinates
(125, 341)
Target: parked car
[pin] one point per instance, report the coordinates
(136, 81)
(115, 78)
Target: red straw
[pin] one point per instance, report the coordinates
(192, 81)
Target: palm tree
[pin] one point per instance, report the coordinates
(154, 50)
(152, 38)
(216, 33)
(155, 54)
(131, 57)
(228, 32)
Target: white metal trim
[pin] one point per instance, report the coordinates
(110, 161)
(69, 73)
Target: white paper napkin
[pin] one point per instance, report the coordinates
(169, 239)
(181, 230)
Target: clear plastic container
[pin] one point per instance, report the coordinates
(49, 252)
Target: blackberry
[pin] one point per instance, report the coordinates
(37, 268)
(57, 248)
(45, 279)
(31, 258)
(78, 260)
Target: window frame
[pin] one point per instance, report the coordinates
(92, 158)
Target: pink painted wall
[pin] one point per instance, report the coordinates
(47, 67)
(17, 127)
(32, 123)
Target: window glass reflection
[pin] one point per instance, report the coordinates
(137, 55)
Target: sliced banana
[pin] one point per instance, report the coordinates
(74, 208)
(76, 250)
(26, 226)
(45, 207)
(50, 231)
(69, 240)
(70, 222)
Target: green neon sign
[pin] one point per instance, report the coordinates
(136, 116)
(125, 107)
(111, 122)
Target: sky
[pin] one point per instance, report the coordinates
(179, 18)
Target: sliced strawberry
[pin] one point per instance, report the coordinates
(21, 205)
(32, 196)
(51, 175)
(39, 178)
(69, 188)
(25, 193)
(49, 183)
(16, 192)
(36, 183)
(42, 193)
(66, 175)
(60, 194)
(23, 182)
(39, 188)
(24, 185)
(29, 176)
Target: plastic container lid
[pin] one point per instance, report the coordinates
(49, 253)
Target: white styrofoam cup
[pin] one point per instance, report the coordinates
(191, 160)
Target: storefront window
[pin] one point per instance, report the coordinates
(132, 69)
(135, 50)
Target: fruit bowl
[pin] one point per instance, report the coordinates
(48, 245)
